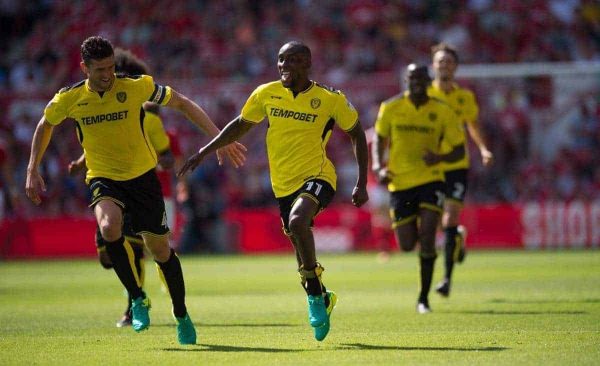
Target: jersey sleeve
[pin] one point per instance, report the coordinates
(156, 132)
(154, 92)
(56, 111)
(345, 115)
(471, 112)
(382, 125)
(253, 110)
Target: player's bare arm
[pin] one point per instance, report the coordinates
(487, 158)
(430, 158)
(232, 132)
(34, 183)
(380, 144)
(235, 151)
(361, 153)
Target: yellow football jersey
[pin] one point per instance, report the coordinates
(299, 129)
(411, 131)
(465, 105)
(110, 126)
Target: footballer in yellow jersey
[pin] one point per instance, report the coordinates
(411, 131)
(463, 102)
(126, 63)
(444, 87)
(108, 113)
(301, 115)
(110, 125)
(413, 126)
(299, 129)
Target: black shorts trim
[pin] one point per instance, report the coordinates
(405, 204)
(317, 190)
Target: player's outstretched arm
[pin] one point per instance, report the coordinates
(232, 132)
(34, 184)
(487, 158)
(193, 112)
(378, 149)
(361, 153)
(430, 158)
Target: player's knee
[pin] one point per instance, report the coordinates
(160, 249)
(451, 217)
(298, 225)
(406, 245)
(110, 231)
(450, 221)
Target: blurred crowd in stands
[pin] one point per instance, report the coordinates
(218, 51)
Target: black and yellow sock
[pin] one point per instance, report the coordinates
(138, 252)
(173, 275)
(450, 251)
(123, 260)
(311, 280)
(140, 266)
(426, 264)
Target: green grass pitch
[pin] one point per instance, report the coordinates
(506, 308)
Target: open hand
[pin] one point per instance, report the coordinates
(236, 153)
(487, 158)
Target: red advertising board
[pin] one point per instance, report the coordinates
(340, 228)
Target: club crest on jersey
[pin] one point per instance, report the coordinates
(315, 103)
(432, 117)
(122, 97)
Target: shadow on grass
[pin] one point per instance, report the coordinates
(545, 301)
(233, 325)
(362, 346)
(223, 348)
(521, 312)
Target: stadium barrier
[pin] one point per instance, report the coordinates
(340, 228)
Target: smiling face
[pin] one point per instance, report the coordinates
(444, 65)
(100, 73)
(417, 80)
(293, 63)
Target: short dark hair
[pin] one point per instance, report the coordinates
(126, 63)
(442, 46)
(96, 48)
(416, 69)
(300, 48)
